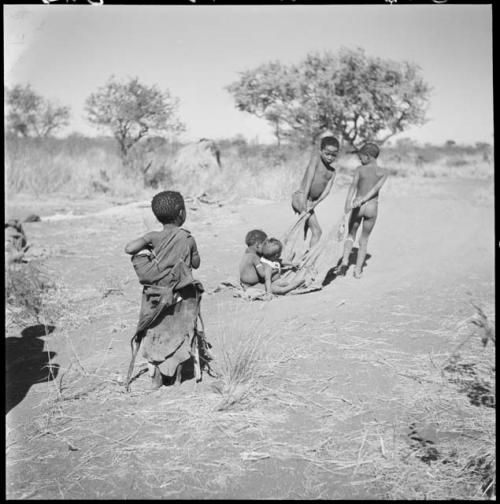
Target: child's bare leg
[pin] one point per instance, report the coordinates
(368, 223)
(315, 229)
(354, 222)
(296, 283)
(342, 267)
(283, 287)
(178, 374)
(156, 379)
(301, 275)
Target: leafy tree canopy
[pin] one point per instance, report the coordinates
(357, 97)
(131, 111)
(31, 115)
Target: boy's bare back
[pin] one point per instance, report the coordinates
(368, 177)
(362, 203)
(249, 269)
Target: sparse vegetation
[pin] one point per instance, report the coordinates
(238, 365)
(26, 288)
(92, 166)
(447, 450)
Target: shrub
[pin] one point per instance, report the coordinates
(25, 290)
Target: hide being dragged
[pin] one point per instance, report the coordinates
(317, 261)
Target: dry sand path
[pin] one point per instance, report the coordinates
(337, 363)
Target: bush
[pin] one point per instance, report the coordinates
(26, 288)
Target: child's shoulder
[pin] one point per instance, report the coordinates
(151, 235)
(251, 256)
(185, 232)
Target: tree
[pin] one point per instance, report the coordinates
(359, 98)
(131, 111)
(30, 115)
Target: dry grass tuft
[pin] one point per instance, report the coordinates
(27, 288)
(240, 354)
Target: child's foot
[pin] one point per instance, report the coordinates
(205, 350)
(357, 274)
(340, 270)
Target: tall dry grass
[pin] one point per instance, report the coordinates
(92, 166)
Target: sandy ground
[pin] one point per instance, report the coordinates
(336, 364)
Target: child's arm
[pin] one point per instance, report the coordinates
(324, 194)
(259, 268)
(278, 286)
(308, 177)
(351, 192)
(195, 256)
(267, 278)
(285, 266)
(134, 246)
(284, 288)
(373, 191)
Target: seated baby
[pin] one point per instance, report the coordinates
(273, 266)
(251, 269)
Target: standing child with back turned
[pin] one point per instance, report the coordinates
(163, 261)
(366, 184)
(155, 254)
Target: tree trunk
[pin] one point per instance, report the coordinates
(124, 154)
(277, 133)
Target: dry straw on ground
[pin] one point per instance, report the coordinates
(446, 448)
(434, 443)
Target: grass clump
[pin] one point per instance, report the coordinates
(32, 296)
(26, 289)
(239, 362)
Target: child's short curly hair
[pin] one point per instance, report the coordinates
(271, 247)
(255, 236)
(370, 149)
(167, 205)
(328, 140)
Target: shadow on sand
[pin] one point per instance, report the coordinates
(353, 257)
(26, 363)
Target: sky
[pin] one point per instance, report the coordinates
(67, 51)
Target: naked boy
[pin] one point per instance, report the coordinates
(365, 187)
(316, 184)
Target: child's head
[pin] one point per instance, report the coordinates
(329, 148)
(168, 207)
(271, 249)
(255, 239)
(368, 152)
